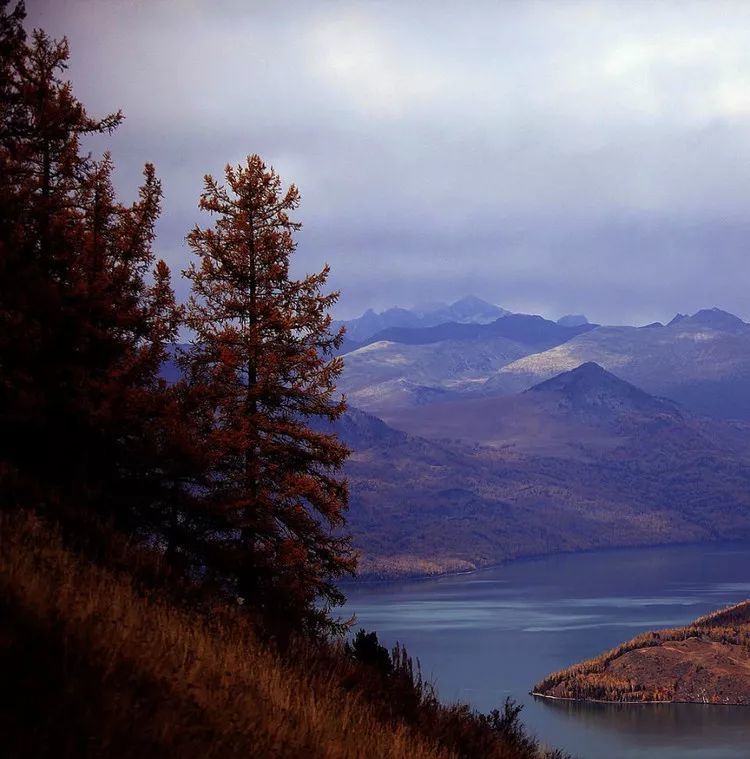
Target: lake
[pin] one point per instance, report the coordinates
(494, 633)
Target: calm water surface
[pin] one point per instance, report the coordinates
(494, 633)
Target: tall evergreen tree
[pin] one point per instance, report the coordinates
(263, 356)
(83, 323)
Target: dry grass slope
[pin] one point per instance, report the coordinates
(95, 665)
(153, 680)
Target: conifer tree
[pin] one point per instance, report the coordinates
(83, 319)
(263, 356)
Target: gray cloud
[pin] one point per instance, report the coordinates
(551, 157)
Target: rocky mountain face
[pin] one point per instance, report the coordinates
(572, 320)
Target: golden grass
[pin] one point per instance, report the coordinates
(94, 667)
(118, 659)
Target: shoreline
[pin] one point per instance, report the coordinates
(375, 579)
(536, 694)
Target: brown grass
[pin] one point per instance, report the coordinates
(96, 665)
(152, 680)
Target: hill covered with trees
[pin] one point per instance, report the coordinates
(705, 662)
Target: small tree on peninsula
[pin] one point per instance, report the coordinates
(262, 363)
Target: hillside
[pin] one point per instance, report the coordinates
(111, 662)
(591, 388)
(577, 414)
(707, 661)
(388, 375)
(701, 361)
(586, 461)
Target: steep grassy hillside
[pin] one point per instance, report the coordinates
(105, 662)
(705, 662)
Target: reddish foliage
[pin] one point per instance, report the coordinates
(85, 312)
(262, 365)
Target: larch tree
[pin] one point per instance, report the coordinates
(85, 311)
(263, 359)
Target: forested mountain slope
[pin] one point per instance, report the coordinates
(585, 461)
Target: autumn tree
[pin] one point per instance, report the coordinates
(85, 311)
(263, 356)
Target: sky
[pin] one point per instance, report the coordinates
(550, 157)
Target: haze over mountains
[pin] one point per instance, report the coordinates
(583, 461)
(523, 436)
(403, 366)
(580, 412)
(466, 310)
(478, 441)
(702, 361)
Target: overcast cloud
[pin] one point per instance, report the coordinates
(551, 157)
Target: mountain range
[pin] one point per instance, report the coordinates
(511, 435)
(466, 310)
(583, 461)
(586, 409)
(404, 366)
(702, 360)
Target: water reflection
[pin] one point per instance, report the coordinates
(664, 726)
(495, 633)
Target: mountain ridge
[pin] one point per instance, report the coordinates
(583, 412)
(413, 366)
(701, 361)
(466, 310)
(528, 329)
